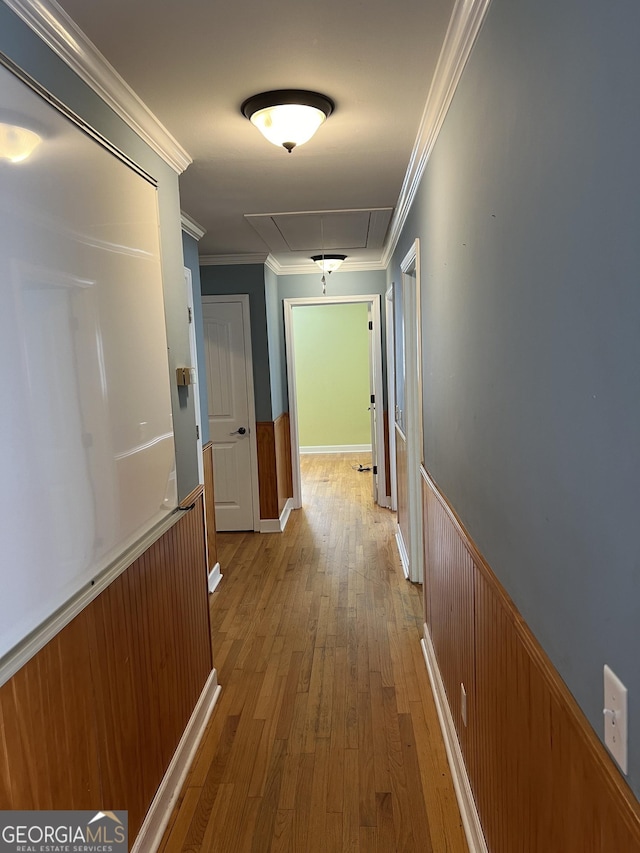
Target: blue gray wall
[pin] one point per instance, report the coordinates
(247, 278)
(529, 221)
(266, 293)
(191, 261)
(20, 44)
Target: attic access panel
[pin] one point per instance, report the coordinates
(331, 229)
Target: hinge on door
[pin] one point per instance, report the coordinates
(190, 310)
(198, 432)
(375, 469)
(371, 325)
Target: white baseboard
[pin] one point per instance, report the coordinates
(337, 448)
(286, 512)
(402, 550)
(277, 525)
(466, 803)
(155, 823)
(215, 576)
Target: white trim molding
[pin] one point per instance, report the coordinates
(413, 406)
(336, 448)
(59, 32)
(22, 653)
(375, 369)
(391, 397)
(466, 20)
(191, 227)
(272, 264)
(161, 808)
(300, 268)
(232, 260)
(309, 268)
(464, 795)
(215, 576)
(277, 525)
(402, 550)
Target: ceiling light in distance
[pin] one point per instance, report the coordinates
(329, 263)
(288, 117)
(17, 143)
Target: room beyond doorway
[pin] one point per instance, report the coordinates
(332, 378)
(311, 396)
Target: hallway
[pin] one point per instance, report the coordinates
(325, 737)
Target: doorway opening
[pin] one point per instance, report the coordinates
(408, 419)
(312, 427)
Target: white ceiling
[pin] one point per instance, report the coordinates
(194, 62)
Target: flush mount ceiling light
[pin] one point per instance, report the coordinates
(288, 117)
(17, 143)
(329, 263)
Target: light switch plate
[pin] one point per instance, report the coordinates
(615, 717)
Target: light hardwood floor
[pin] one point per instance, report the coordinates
(325, 737)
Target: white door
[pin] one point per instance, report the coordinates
(231, 417)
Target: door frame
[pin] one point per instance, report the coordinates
(410, 267)
(248, 366)
(193, 351)
(373, 301)
(391, 396)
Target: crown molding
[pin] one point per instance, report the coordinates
(466, 20)
(309, 268)
(232, 260)
(272, 263)
(192, 228)
(59, 32)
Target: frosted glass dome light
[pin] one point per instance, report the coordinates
(329, 263)
(288, 117)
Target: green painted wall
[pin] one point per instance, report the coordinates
(332, 374)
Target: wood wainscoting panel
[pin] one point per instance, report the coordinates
(151, 652)
(542, 780)
(402, 485)
(48, 741)
(93, 720)
(426, 539)
(274, 465)
(284, 475)
(210, 505)
(267, 469)
(449, 579)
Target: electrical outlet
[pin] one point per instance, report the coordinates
(463, 703)
(615, 717)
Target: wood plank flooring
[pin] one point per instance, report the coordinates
(325, 737)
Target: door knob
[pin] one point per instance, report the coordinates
(239, 431)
